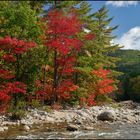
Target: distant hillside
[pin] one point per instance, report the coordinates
(130, 61)
(130, 66)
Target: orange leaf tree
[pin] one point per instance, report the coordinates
(103, 85)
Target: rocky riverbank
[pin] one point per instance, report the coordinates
(77, 119)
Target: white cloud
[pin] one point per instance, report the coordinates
(130, 39)
(121, 3)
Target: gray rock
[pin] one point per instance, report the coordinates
(14, 123)
(79, 122)
(129, 118)
(106, 116)
(5, 128)
(1, 129)
(42, 113)
(7, 123)
(43, 118)
(36, 115)
(137, 113)
(18, 122)
(84, 115)
(49, 119)
(72, 127)
(27, 122)
(26, 128)
(68, 118)
(24, 122)
(94, 120)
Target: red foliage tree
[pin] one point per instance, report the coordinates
(10, 49)
(62, 39)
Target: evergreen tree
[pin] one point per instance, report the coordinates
(102, 42)
(98, 50)
(95, 52)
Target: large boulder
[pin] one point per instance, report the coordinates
(106, 116)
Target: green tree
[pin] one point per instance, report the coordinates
(18, 20)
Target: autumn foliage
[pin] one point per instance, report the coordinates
(10, 49)
(103, 85)
(61, 43)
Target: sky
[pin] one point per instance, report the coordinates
(127, 15)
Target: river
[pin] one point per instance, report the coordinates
(113, 131)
